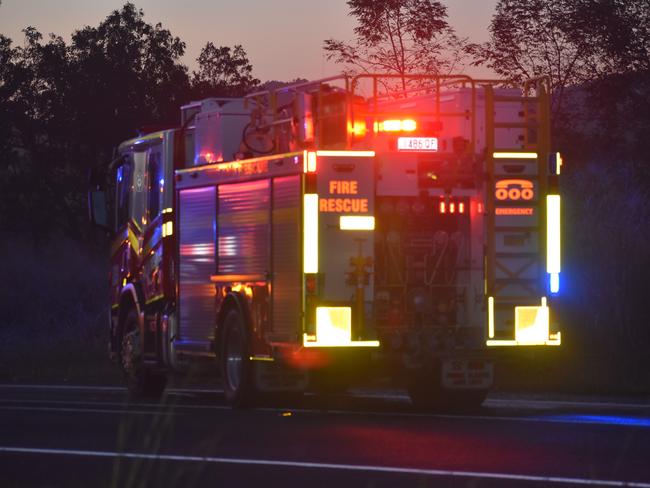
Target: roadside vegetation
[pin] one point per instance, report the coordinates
(54, 314)
(64, 106)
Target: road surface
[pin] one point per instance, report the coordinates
(95, 437)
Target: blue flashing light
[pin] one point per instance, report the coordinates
(162, 182)
(119, 174)
(554, 283)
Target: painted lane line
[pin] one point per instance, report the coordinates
(114, 404)
(85, 410)
(62, 387)
(635, 422)
(390, 396)
(562, 403)
(102, 388)
(330, 466)
(519, 403)
(630, 422)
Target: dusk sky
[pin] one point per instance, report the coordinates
(283, 38)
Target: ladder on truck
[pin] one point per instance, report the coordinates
(517, 185)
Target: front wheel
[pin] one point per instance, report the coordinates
(237, 370)
(140, 380)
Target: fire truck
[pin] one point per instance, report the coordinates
(334, 227)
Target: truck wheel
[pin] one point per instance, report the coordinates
(237, 371)
(140, 380)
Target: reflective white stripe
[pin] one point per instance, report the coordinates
(310, 233)
(553, 236)
(331, 466)
(515, 155)
(356, 222)
(490, 317)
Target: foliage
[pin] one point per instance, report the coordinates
(65, 106)
(532, 38)
(619, 30)
(399, 37)
(225, 71)
(596, 54)
(573, 42)
(55, 314)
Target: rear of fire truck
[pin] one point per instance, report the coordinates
(433, 236)
(336, 226)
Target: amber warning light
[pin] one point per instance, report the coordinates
(418, 144)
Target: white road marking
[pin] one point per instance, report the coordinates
(550, 420)
(101, 388)
(86, 410)
(16, 404)
(522, 403)
(329, 466)
(62, 387)
(115, 404)
(497, 402)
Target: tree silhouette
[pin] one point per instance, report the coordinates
(574, 42)
(65, 106)
(69, 105)
(223, 72)
(398, 37)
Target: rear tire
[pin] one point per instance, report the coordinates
(140, 380)
(237, 370)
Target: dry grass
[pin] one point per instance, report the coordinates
(54, 313)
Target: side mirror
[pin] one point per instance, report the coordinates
(97, 201)
(98, 208)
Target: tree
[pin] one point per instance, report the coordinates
(223, 72)
(618, 29)
(531, 38)
(136, 68)
(69, 105)
(573, 42)
(399, 37)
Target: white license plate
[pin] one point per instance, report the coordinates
(417, 143)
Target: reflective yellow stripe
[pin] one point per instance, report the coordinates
(133, 240)
(153, 299)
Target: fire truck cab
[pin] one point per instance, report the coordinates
(337, 226)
